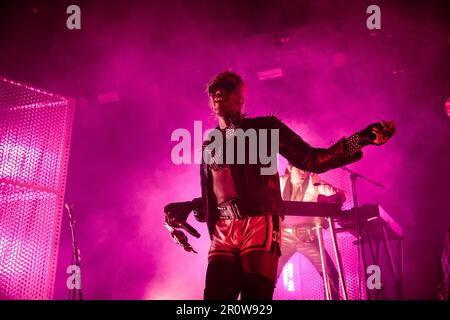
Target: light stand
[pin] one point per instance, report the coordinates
(76, 259)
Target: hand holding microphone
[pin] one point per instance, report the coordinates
(176, 216)
(377, 133)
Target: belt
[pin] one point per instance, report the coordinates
(231, 209)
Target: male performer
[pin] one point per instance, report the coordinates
(241, 203)
(297, 232)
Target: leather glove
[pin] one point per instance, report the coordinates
(178, 212)
(377, 133)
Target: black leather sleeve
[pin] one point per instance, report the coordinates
(303, 156)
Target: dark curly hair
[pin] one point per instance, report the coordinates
(228, 80)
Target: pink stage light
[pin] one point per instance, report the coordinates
(270, 74)
(35, 133)
(447, 107)
(108, 97)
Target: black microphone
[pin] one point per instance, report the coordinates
(186, 226)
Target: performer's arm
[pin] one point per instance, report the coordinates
(377, 134)
(344, 152)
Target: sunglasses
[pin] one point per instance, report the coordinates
(228, 87)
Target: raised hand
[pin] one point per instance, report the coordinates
(377, 133)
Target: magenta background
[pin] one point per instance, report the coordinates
(338, 77)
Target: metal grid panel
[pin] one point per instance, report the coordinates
(304, 277)
(340, 179)
(349, 255)
(305, 283)
(35, 132)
